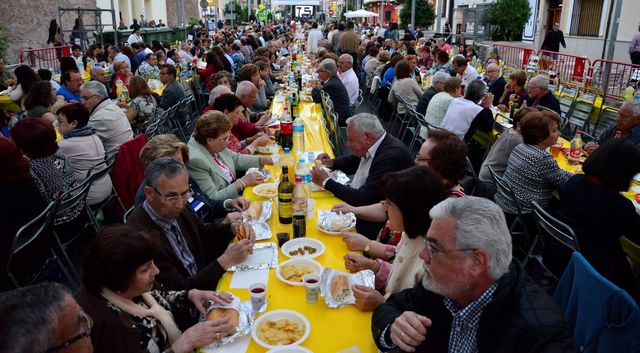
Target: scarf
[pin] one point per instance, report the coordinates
(155, 310)
(83, 131)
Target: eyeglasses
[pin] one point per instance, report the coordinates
(434, 250)
(86, 319)
(186, 195)
(86, 98)
(225, 139)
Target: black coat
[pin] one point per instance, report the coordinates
(553, 40)
(496, 88)
(547, 101)
(172, 94)
(339, 96)
(206, 241)
(423, 103)
(520, 318)
(391, 156)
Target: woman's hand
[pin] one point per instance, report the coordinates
(261, 140)
(255, 137)
(367, 299)
(253, 178)
(200, 297)
(239, 203)
(344, 208)
(264, 117)
(355, 241)
(203, 334)
(354, 262)
(266, 160)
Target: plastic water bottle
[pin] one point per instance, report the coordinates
(303, 171)
(298, 134)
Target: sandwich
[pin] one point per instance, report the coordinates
(241, 231)
(255, 210)
(220, 313)
(340, 288)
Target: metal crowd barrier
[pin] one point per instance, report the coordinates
(44, 58)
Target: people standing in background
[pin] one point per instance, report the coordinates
(634, 48)
(143, 22)
(554, 38)
(54, 34)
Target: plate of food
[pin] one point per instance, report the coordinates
(292, 271)
(280, 328)
(303, 248)
(268, 190)
(330, 222)
(335, 286)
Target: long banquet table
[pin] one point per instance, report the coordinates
(332, 330)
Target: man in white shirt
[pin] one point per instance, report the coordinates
(314, 36)
(76, 55)
(466, 72)
(135, 37)
(185, 55)
(463, 111)
(349, 77)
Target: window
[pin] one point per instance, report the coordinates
(586, 17)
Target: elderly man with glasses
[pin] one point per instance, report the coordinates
(43, 318)
(495, 82)
(106, 118)
(539, 94)
(473, 297)
(192, 254)
(334, 88)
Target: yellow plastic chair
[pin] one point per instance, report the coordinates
(631, 249)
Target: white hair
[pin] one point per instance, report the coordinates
(480, 224)
(348, 57)
(217, 91)
(329, 66)
(539, 81)
(245, 88)
(439, 77)
(635, 108)
(365, 122)
(96, 87)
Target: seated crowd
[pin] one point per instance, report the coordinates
(448, 267)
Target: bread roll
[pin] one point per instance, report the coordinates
(255, 210)
(340, 288)
(219, 313)
(241, 232)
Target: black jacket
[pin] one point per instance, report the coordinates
(547, 101)
(520, 318)
(206, 241)
(391, 156)
(553, 40)
(339, 96)
(496, 88)
(423, 103)
(172, 94)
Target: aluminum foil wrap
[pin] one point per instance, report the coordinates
(261, 229)
(268, 149)
(265, 255)
(343, 295)
(332, 222)
(245, 321)
(265, 172)
(337, 175)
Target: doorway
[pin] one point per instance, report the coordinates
(554, 14)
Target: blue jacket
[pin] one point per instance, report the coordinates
(604, 317)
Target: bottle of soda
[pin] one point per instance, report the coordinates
(286, 130)
(618, 134)
(285, 194)
(300, 200)
(575, 152)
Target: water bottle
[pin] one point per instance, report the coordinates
(303, 171)
(298, 134)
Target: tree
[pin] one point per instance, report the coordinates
(425, 15)
(5, 41)
(507, 19)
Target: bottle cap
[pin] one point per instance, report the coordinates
(287, 150)
(298, 179)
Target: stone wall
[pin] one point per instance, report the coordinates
(190, 10)
(28, 21)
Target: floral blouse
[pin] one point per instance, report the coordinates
(148, 72)
(146, 108)
(153, 337)
(238, 146)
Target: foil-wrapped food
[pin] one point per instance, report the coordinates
(335, 222)
(335, 286)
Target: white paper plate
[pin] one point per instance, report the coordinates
(637, 178)
(290, 349)
(312, 264)
(280, 315)
(294, 244)
(260, 190)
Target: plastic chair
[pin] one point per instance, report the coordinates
(631, 249)
(107, 166)
(603, 317)
(552, 228)
(578, 117)
(606, 120)
(128, 214)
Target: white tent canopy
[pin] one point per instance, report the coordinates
(360, 13)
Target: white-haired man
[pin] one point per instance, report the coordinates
(109, 121)
(374, 153)
(539, 94)
(247, 92)
(349, 77)
(437, 85)
(628, 123)
(334, 88)
(473, 298)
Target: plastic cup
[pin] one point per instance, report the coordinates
(555, 149)
(275, 157)
(282, 238)
(311, 287)
(257, 292)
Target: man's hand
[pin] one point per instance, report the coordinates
(590, 147)
(236, 253)
(318, 176)
(239, 203)
(409, 330)
(367, 299)
(487, 101)
(326, 160)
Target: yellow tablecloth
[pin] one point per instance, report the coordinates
(7, 104)
(332, 330)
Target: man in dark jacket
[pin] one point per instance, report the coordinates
(473, 298)
(192, 254)
(539, 95)
(374, 153)
(553, 39)
(173, 92)
(495, 81)
(333, 86)
(437, 85)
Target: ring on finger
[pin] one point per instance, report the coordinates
(217, 335)
(402, 335)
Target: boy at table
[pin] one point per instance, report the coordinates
(374, 153)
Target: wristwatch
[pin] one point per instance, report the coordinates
(367, 247)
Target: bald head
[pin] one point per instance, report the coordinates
(492, 72)
(345, 62)
(538, 86)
